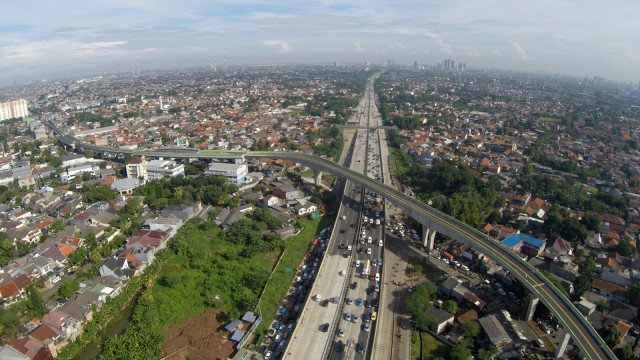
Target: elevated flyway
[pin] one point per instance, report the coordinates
(583, 334)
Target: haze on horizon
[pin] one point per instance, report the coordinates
(68, 38)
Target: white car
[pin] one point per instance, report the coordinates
(368, 251)
(357, 263)
(342, 272)
(380, 243)
(377, 276)
(369, 240)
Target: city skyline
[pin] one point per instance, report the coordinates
(584, 38)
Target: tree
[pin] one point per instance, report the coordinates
(68, 288)
(634, 294)
(625, 352)
(470, 329)
(610, 335)
(626, 249)
(460, 352)
(450, 306)
(77, 256)
(35, 303)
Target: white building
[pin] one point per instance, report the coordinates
(235, 173)
(158, 169)
(13, 109)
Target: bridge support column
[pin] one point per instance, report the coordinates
(429, 238)
(562, 345)
(317, 175)
(531, 308)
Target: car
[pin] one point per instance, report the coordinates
(369, 240)
(367, 303)
(357, 263)
(359, 302)
(267, 355)
(502, 292)
(347, 316)
(324, 327)
(411, 288)
(368, 251)
(374, 315)
(380, 243)
(340, 332)
(318, 297)
(379, 262)
(366, 327)
(359, 347)
(277, 324)
(354, 285)
(342, 272)
(349, 301)
(354, 318)
(278, 337)
(377, 287)
(377, 276)
(349, 248)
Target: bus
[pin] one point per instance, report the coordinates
(366, 267)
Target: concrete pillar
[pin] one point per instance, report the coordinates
(429, 238)
(562, 344)
(318, 177)
(531, 308)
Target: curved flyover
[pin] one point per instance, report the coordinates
(583, 334)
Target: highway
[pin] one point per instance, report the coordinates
(582, 333)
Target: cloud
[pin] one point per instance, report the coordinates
(358, 46)
(417, 31)
(282, 46)
(98, 47)
(520, 51)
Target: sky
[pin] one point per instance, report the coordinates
(63, 38)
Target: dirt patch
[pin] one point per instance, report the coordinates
(200, 338)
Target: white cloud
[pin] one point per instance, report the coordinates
(282, 46)
(358, 46)
(520, 51)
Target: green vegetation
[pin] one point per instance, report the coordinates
(89, 117)
(432, 348)
(210, 190)
(68, 287)
(280, 279)
(332, 145)
(418, 302)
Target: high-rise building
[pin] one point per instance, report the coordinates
(13, 109)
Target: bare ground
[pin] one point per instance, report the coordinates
(199, 338)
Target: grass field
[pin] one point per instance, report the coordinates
(431, 347)
(280, 281)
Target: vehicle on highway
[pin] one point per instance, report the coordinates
(369, 240)
(342, 272)
(349, 248)
(380, 243)
(359, 347)
(377, 276)
(347, 316)
(367, 303)
(317, 297)
(344, 217)
(374, 315)
(359, 302)
(379, 262)
(377, 287)
(354, 318)
(368, 251)
(324, 327)
(366, 326)
(349, 300)
(357, 263)
(339, 347)
(267, 355)
(341, 332)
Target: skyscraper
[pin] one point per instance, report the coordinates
(13, 109)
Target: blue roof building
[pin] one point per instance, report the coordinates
(525, 244)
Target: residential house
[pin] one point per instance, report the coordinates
(495, 331)
(441, 319)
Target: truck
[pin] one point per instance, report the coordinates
(366, 267)
(377, 223)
